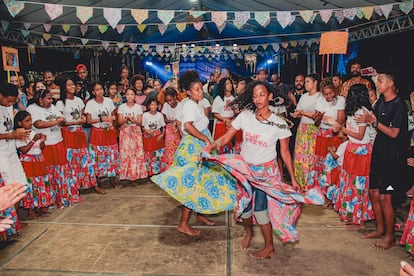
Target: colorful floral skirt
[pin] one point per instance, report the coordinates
(304, 151)
(40, 193)
(329, 179)
(284, 202)
(407, 238)
(104, 152)
(324, 139)
(204, 187)
(12, 214)
(60, 175)
(78, 157)
(154, 151)
(354, 202)
(132, 153)
(172, 140)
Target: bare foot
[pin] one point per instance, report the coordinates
(246, 241)
(355, 227)
(384, 244)
(100, 191)
(373, 235)
(328, 204)
(205, 220)
(188, 230)
(265, 253)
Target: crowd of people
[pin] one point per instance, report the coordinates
(267, 147)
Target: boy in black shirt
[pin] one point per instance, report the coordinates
(388, 157)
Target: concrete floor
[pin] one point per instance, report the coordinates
(131, 231)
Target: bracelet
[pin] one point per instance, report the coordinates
(217, 143)
(375, 124)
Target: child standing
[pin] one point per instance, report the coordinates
(100, 113)
(172, 134)
(40, 194)
(130, 139)
(154, 132)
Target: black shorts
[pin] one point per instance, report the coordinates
(393, 183)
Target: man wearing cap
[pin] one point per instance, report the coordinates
(355, 79)
(85, 92)
(262, 75)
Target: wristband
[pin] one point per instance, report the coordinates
(375, 124)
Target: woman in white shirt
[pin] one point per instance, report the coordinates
(306, 134)
(276, 204)
(172, 134)
(329, 107)
(204, 188)
(75, 137)
(48, 120)
(353, 201)
(222, 112)
(100, 113)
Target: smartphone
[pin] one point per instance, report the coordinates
(367, 71)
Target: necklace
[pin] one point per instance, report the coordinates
(288, 124)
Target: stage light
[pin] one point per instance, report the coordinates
(148, 63)
(269, 61)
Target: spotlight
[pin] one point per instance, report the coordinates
(269, 61)
(148, 63)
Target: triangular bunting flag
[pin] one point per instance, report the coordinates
(102, 28)
(284, 18)
(386, 9)
(63, 37)
(47, 27)
(84, 41)
(197, 14)
(83, 29)
(292, 19)
(263, 18)
(367, 11)
(47, 36)
(306, 15)
(112, 15)
(165, 16)
(241, 18)
(133, 46)
(145, 47)
(313, 18)
(27, 25)
(66, 27)
(198, 25)
(14, 7)
(221, 28)
(181, 27)
(84, 13)
(360, 13)
(294, 43)
(406, 6)
(25, 33)
(325, 15)
(141, 27)
(276, 47)
(120, 28)
(219, 17)
(54, 10)
(162, 28)
(159, 49)
(339, 15)
(350, 13)
(301, 43)
(120, 45)
(139, 15)
(377, 10)
(105, 44)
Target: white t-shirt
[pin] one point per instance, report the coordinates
(330, 108)
(307, 103)
(259, 139)
(353, 126)
(53, 134)
(341, 153)
(152, 122)
(204, 103)
(72, 110)
(126, 110)
(222, 106)
(193, 112)
(98, 110)
(170, 113)
(7, 146)
(35, 149)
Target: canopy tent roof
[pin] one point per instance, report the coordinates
(33, 17)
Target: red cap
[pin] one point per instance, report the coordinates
(80, 66)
